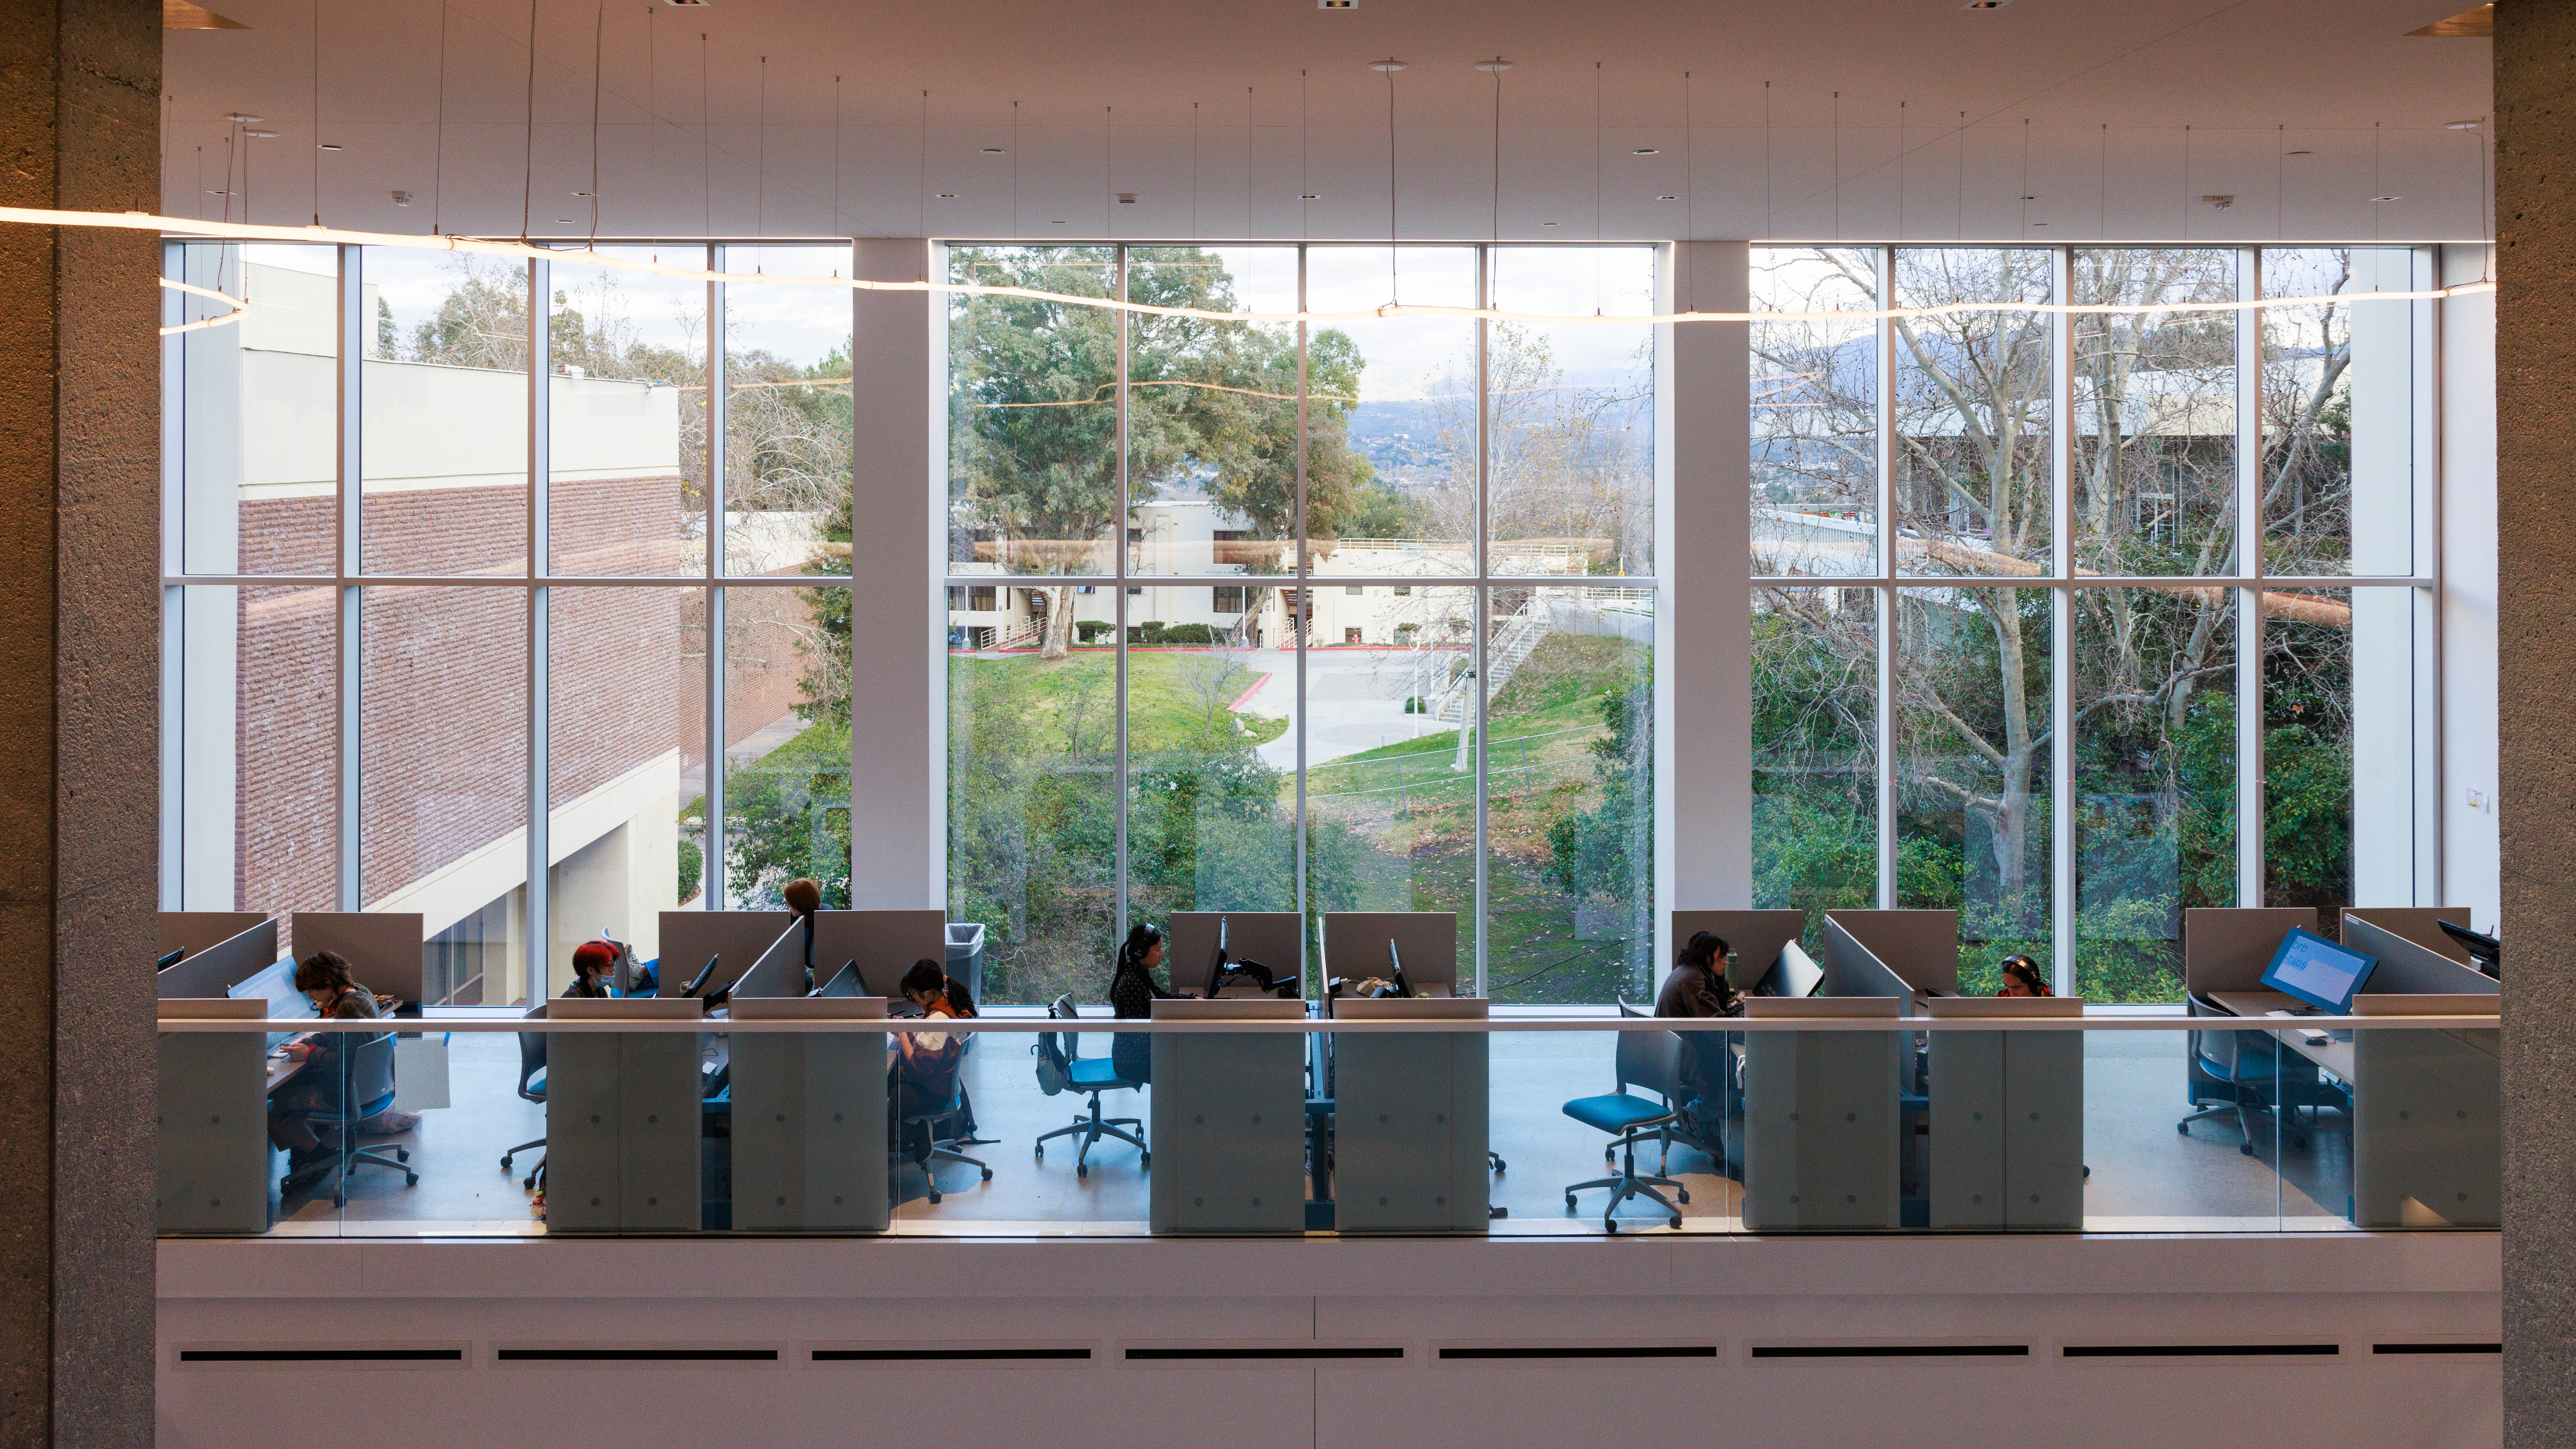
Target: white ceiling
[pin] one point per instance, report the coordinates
(1199, 108)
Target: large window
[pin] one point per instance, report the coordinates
(2013, 653)
(418, 665)
(1250, 616)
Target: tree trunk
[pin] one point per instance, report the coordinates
(1059, 623)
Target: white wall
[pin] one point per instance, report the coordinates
(2472, 871)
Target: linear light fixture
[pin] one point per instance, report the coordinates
(184, 228)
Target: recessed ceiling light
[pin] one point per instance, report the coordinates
(948, 196)
(1494, 66)
(1055, 223)
(330, 145)
(1985, 4)
(2461, 125)
(261, 135)
(992, 150)
(1547, 223)
(2303, 153)
(1310, 196)
(1390, 65)
(2388, 198)
(1337, 4)
(1647, 151)
(1668, 198)
(563, 221)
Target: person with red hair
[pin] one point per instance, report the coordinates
(593, 962)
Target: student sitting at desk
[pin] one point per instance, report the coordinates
(924, 1072)
(592, 961)
(316, 1091)
(1132, 994)
(1698, 988)
(2022, 977)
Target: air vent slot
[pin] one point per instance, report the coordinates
(1888, 1350)
(1515, 1352)
(2423, 1348)
(2201, 1350)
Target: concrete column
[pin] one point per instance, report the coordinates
(2535, 355)
(898, 657)
(80, 410)
(1704, 757)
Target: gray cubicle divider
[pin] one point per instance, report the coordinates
(1921, 947)
(622, 1120)
(1411, 1120)
(2421, 925)
(225, 948)
(1754, 936)
(884, 943)
(778, 971)
(1269, 937)
(212, 1164)
(2427, 1109)
(736, 938)
(1820, 1118)
(1852, 969)
(384, 949)
(809, 1118)
(2408, 966)
(1355, 946)
(2228, 948)
(2007, 1114)
(1229, 1118)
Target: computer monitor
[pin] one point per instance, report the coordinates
(275, 985)
(1216, 961)
(170, 960)
(2486, 951)
(2317, 971)
(844, 982)
(701, 978)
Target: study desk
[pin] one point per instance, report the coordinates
(281, 1070)
(2330, 1055)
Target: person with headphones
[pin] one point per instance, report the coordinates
(1132, 994)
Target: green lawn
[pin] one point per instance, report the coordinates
(1176, 699)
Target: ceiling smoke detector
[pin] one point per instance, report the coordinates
(1126, 198)
(2218, 203)
(402, 198)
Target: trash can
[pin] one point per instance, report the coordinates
(966, 957)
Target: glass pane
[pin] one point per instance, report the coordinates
(627, 427)
(1412, 510)
(626, 676)
(443, 782)
(1391, 788)
(1570, 794)
(254, 476)
(2155, 413)
(787, 413)
(2154, 674)
(2336, 714)
(1971, 491)
(1972, 793)
(2339, 413)
(1212, 422)
(787, 744)
(1815, 751)
(258, 796)
(1211, 780)
(1032, 825)
(1033, 417)
(1571, 413)
(446, 439)
(1815, 413)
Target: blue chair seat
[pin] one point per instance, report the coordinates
(1616, 1112)
(1093, 1074)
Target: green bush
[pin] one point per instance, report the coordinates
(1189, 634)
(1092, 631)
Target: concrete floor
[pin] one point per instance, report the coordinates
(2145, 1178)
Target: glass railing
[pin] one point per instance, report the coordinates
(1445, 1121)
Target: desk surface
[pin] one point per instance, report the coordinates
(281, 1070)
(2334, 1056)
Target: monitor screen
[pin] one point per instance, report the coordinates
(1794, 974)
(2317, 971)
(844, 982)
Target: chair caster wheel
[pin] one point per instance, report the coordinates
(1608, 1226)
(529, 1182)
(934, 1199)
(505, 1161)
(1569, 1204)
(1146, 1160)
(1041, 1154)
(2247, 1149)
(411, 1179)
(988, 1174)
(1676, 1222)
(1501, 1166)
(339, 1199)
(2183, 1127)
(1082, 1169)
(402, 1154)
(1685, 1197)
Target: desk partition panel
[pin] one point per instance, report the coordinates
(809, 1117)
(1355, 946)
(383, 948)
(1229, 1122)
(1269, 937)
(735, 938)
(623, 1120)
(225, 948)
(884, 943)
(1409, 1120)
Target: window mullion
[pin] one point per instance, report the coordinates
(711, 833)
(2249, 600)
(1888, 598)
(1118, 552)
(2061, 674)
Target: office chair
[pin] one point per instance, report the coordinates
(1660, 1072)
(532, 1088)
(2239, 1073)
(369, 1090)
(939, 1119)
(1094, 1076)
(1630, 1120)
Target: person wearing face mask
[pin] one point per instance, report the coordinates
(320, 1090)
